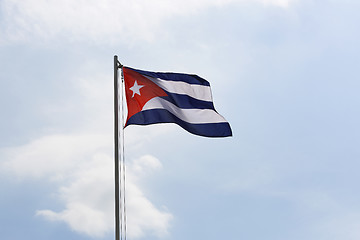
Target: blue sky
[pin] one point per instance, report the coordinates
(284, 73)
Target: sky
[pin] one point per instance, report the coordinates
(284, 73)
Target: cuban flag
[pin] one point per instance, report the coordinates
(155, 97)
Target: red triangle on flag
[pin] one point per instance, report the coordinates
(139, 90)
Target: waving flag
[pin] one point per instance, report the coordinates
(184, 99)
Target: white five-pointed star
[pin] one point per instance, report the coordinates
(136, 89)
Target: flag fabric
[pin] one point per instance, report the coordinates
(183, 99)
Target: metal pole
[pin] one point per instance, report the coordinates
(116, 138)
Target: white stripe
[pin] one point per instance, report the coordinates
(200, 92)
(187, 115)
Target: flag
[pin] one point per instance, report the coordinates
(183, 99)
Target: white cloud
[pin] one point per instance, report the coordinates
(143, 216)
(81, 218)
(54, 154)
(108, 20)
(145, 163)
(280, 3)
(83, 167)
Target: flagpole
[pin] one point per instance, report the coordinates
(116, 142)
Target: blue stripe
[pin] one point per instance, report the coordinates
(187, 102)
(181, 77)
(163, 116)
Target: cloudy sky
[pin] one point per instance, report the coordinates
(284, 73)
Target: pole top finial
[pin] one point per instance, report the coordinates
(119, 65)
